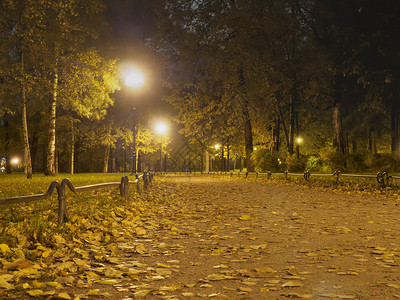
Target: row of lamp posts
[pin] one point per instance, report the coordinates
(134, 78)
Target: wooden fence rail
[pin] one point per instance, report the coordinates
(146, 177)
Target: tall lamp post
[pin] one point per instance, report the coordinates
(161, 129)
(299, 140)
(134, 78)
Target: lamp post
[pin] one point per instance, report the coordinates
(133, 78)
(216, 146)
(161, 129)
(299, 140)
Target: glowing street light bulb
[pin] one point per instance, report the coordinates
(134, 79)
(161, 128)
(217, 146)
(299, 140)
(15, 161)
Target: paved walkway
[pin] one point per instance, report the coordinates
(206, 237)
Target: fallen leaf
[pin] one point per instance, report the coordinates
(4, 249)
(108, 281)
(215, 277)
(292, 284)
(5, 285)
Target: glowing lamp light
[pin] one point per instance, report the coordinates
(217, 146)
(161, 128)
(134, 79)
(255, 148)
(15, 161)
(299, 140)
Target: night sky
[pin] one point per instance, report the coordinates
(130, 23)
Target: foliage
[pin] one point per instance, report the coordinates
(267, 161)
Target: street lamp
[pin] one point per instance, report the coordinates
(161, 129)
(299, 140)
(133, 78)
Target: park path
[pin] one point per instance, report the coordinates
(247, 239)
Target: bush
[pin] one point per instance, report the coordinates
(314, 163)
(358, 161)
(265, 160)
(384, 162)
(336, 161)
(295, 164)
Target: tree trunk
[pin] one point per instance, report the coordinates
(354, 145)
(396, 127)
(338, 141)
(106, 159)
(51, 146)
(222, 158)
(56, 163)
(371, 140)
(114, 161)
(72, 153)
(292, 117)
(34, 150)
(227, 158)
(276, 134)
(27, 152)
(7, 147)
(207, 160)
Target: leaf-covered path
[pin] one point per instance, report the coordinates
(252, 240)
(202, 237)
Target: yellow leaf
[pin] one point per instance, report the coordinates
(92, 275)
(292, 284)
(215, 277)
(64, 296)
(93, 293)
(55, 284)
(244, 217)
(4, 248)
(5, 285)
(160, 265)
(38, 285)
(108, 281)
(35, 293)
(140, 231)
(46, 253)
(6, 277)
(17, 264)
(59, 239)
(142, 293)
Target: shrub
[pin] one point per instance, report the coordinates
(265, 160)
(358, 161)
(295, 164)
(314, 163)
(384, 162)
(334, 160)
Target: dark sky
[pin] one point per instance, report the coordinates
(131, 22)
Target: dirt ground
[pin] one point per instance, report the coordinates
(238, 239)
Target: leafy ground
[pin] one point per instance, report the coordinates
(206, 237)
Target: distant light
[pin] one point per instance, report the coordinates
(15, 161)
(161, 128)
(255, 148)
(217, 146)
(299, 140)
